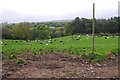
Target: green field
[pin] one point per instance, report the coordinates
(73, 44)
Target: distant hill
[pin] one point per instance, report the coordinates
(54, 23)
(69, 20)
(61, 21)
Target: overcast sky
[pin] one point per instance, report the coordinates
(46, 10)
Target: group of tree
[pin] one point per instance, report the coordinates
(84, 25)
(46, 30)
(29, 31)
(25, 31)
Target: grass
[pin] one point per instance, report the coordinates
(72, 44)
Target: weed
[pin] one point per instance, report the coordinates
(12, 56)
(21, 62)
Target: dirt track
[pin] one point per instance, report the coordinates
(59, 65)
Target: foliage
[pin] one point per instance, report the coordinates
(21, 30)
(58, 32)
(84, 25)
(45, 30)
(25, 31)
(7, 33)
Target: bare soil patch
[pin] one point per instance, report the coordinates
(59, 65)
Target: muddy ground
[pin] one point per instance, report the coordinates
(59, 65)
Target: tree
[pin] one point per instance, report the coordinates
(75, 26)
(7, 33)
(112, 26)
(43, 32)
(85, 26)
(79, 26)
(21, 30)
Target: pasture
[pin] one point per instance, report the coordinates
(75, 44)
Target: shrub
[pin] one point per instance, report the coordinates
(101, 57)
(97, 57)
(21, 62)
(115, 51)
(12, 55)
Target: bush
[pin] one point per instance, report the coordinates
(101, 57)
(115, 51)
(97, 57)
(21, 62)
(12, 56)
